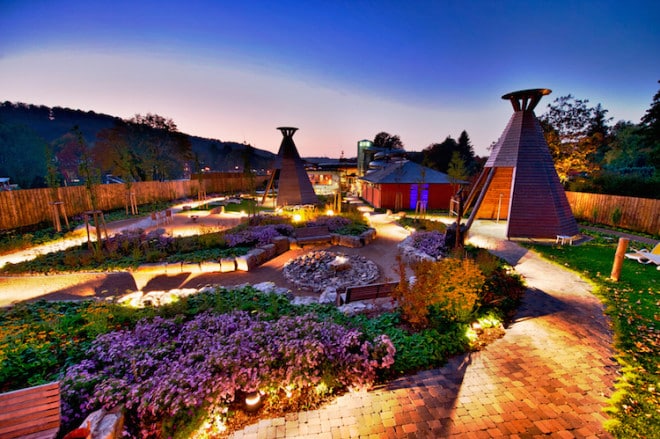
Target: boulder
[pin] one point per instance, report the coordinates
(329, 295)
(259, 254)
(246, 262)
(304, 300)
(227, 265)
(190, 267)
(281, 244)
(270, 250)
(104, 424)
(209, 267)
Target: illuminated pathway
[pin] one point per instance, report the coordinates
(549, 376)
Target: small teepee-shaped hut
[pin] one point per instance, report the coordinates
(288, 173)
(519, 182)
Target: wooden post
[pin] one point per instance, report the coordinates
(132, 202)
(57, 210)
(459, 216)
(618, 259)
(55, 214)
(99, 225)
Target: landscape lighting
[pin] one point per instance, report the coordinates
(253, 401)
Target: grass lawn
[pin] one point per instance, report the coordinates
(633, 305)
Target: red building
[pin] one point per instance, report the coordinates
(408, 185)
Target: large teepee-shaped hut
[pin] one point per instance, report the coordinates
(519, 182)
(289, 175)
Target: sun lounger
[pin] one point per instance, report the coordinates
(644, 256)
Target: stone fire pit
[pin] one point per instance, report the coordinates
(318, 270)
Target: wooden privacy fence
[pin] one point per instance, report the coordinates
(638, 214)
(32, 206)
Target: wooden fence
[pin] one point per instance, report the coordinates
(33, 206)
(638, 214)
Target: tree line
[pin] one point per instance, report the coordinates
(42, 146)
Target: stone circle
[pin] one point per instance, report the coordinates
(317, 270)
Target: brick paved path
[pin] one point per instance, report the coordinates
(548, 377)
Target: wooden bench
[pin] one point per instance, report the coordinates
(30, 413)
(309, 234)
(366, 292)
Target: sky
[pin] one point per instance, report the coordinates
(340, 71)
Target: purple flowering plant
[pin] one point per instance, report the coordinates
(165, 368)
(126, 242)
(333, 223)
(257, 235)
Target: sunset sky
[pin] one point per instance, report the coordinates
(340, 71)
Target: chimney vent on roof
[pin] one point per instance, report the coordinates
(526, 100)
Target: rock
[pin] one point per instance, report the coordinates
(131, 299)
(173, 267)
(265, 287)
(354, 308)
(246, 262)
(329, 295)
(350, 241)
(259, 254)
(190, 267)
(105, 424)
(270, 251)
(209, 267)
(158, 267)
(304, 300)
(227, 265)
(281, 244)
(314, 271)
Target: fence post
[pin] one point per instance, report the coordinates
(618, 259)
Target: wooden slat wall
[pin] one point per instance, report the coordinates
(31, 206)
(499, 185)
(640, 214)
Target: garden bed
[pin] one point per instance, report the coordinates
(61, 334)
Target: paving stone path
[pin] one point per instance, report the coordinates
(549, 376)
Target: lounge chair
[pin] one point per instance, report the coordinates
(644, 256)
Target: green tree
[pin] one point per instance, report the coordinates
(438, 155)
(466, 152)
(68, 150)
(628, 148)
(575, 133)
(53, 177)
(21, 155)
(386, 140)
(456, 169)
(113, 154)
(87, 170)
(650, 124)
(145, 147)
(164, 150)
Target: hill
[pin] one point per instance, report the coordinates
(27, 130)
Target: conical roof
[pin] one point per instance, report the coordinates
(537, 203)
(294, 187)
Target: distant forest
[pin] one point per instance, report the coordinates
(42, 146)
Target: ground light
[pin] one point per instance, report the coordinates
(253, 401)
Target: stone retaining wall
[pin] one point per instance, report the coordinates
(253, 258)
